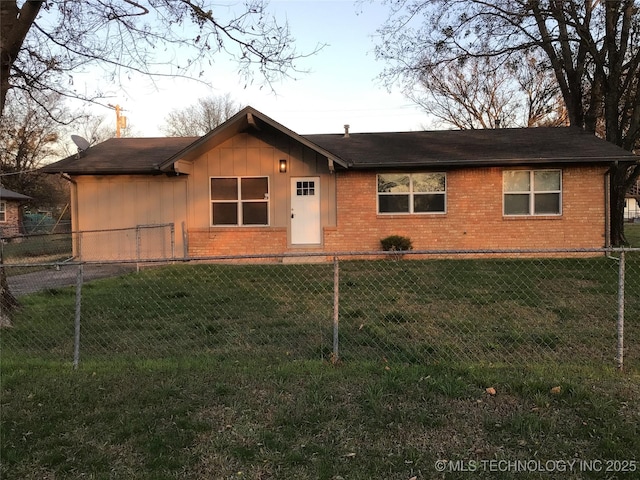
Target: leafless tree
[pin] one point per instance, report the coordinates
(485, 93)
(541, 99)
(29, 134)
(200, 118)
(45, 44)
(591, 46)
(29, 138)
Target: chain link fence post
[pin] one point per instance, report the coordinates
(76, 337)
(620, 322)
(172, 232)
(138, 247)
(79, 244)
(185, 241)
(336, 310)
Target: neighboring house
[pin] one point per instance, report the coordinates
(11, 213)
(632, 203)
(252, 186)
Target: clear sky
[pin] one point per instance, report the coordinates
(341, 87)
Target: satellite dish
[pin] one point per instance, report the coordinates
(80, 142)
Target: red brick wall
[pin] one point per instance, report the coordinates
(474, 218)
(237, 241)
(11, 224)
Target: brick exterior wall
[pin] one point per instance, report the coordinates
(473, 221)
(237, 241)
(11, 225)
(474, 218)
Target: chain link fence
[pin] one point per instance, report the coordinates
(568, 307)
(139, 243)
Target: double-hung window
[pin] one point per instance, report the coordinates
(3, 211)
(239, 201)
(412, 193)
(532, 192)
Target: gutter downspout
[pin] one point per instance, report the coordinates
(74, 214)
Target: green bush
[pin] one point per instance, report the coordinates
(396, 243)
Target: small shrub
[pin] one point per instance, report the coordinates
(396, 243)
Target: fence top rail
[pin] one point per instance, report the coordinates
(276, 256)
(147, 225)
(80, 232)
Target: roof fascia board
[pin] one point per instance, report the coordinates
(108, 172)
(494, 162)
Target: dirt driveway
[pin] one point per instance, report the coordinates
(65, 276)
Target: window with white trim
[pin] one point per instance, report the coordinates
(532, 192)
(3, 211)
(239, 201)
(412, 193)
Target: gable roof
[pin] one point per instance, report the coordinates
(120, 156)
(246, 119)
(11, 195)
(444, 148)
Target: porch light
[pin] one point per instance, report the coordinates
(282, 166)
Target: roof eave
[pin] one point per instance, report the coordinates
(494, 162)
(106, 172)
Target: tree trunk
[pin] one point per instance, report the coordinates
(621, 177)
(8, 302)
(618, 238)
(16, 23)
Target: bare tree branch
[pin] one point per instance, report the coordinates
(202, 117)
(45, 43)
(591, 47)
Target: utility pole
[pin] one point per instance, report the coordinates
(121, 120)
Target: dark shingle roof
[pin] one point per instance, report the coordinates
(121, 156)
(11, 195)
(471, 147)
(434, 149)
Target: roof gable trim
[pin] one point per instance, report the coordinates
(248, 117)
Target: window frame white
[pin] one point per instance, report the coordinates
(3, 211)
(240, 202)
(411, 194)
(532, 193)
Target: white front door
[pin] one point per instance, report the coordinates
(305, 211)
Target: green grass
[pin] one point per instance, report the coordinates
(632, 232)
(307, 420)
(36, 248)
(223, 371)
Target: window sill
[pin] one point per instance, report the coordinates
(531, 217)
(406, 216)
(239, 227)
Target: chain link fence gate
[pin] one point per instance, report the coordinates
(504, 307)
